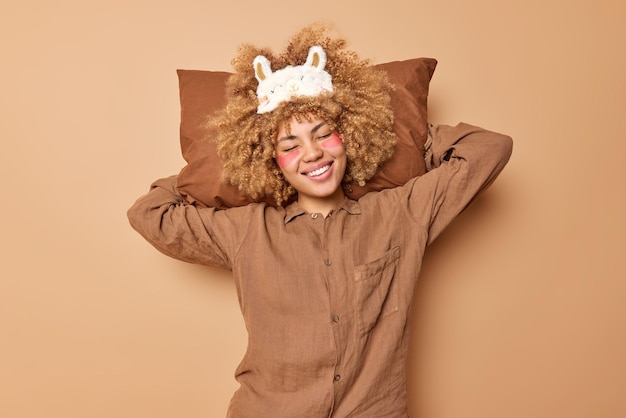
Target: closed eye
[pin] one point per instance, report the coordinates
(288, 147)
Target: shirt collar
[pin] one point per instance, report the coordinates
(294, 210)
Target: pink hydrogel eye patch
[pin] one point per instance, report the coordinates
(333, 141)
(286, 159)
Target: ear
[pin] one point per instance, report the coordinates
(316, 57)
(262, 68)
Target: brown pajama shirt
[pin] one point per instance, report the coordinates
(325, 300)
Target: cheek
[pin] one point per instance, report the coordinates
(284, 160)
(333, 142)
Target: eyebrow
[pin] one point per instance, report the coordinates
(292, 137)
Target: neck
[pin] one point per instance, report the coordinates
(322, 205)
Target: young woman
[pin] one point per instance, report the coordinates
(325, 283)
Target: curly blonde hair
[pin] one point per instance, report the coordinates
(359, 109)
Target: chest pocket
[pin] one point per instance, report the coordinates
(377, 292)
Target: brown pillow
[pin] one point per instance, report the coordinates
(203, 92)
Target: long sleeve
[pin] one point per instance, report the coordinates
(463, 160)
(186, 232)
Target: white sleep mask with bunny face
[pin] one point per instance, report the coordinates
(308, 79)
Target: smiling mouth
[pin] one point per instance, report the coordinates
(319, 171)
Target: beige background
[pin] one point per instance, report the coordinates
(520, 307)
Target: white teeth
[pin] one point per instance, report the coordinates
(318, 171)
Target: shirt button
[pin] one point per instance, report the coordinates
(328, 262)
(314, 215)
(335, 318)
(337, 378)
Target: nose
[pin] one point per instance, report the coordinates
(312, 151)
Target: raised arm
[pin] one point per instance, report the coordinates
(463, 161)
(185, 232)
